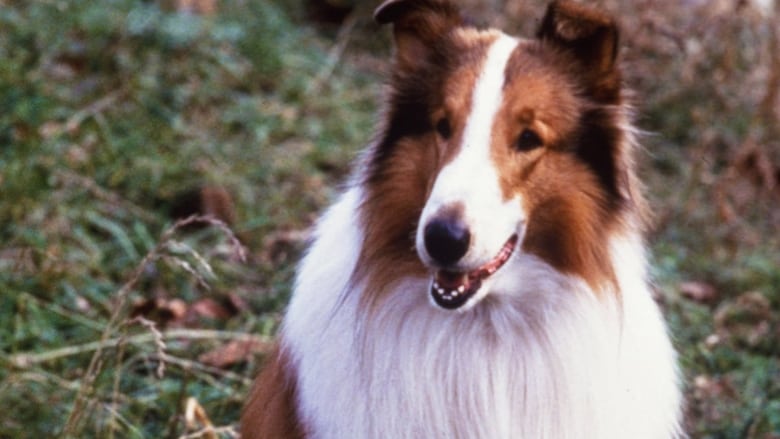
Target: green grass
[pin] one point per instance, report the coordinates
(110, 112)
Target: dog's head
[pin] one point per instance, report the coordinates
(496, 146)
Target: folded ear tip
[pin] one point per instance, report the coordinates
(393, 11)
(560, 11)
(590, 36)
(388, 11)
(566, 22)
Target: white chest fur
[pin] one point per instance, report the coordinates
(552, 362)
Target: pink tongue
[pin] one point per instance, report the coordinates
(451, 280)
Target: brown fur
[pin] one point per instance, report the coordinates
(395, 199)
(578, 187)
(571, 206)
(566, 228)
(406, 162)
(418, 24)
(590, 39)
(565, 86)
(270, 412)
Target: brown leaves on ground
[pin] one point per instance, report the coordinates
(234, 352)
(201, 7)
(176, 312)
(210, 309)
(748, 321)
(751, 177)
(209, 200)
(281, 246)
(700, 292)
(709, 397)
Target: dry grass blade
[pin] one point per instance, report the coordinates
(238, 249)
(159, 342)
(29, 359)
(178, 246)
(195, 415)
(95, 364)
(336, 52)
(228, 431)
(72, 179)
(196, 366)
(186, 266)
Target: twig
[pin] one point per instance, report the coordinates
(194, 365)
(178, 246)
(43, 377)
(62, 311)
(239, 251)
(195, 414)
(92, 109)
(73, 179)
(115, 415)
(95, 364)
(159, 343)
(28, 359)
(334, 55)
(112, 408)
(184, 265)
(228, 430)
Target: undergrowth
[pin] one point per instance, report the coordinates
(111, 115)
(119, 119)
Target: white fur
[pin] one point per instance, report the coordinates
(471, 179)
(549, 361)
(542, 357)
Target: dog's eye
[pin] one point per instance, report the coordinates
(528, 140)
(443, 128)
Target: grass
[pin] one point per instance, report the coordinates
(112, 111)
(112, 114)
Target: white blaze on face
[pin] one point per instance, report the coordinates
(471, 179)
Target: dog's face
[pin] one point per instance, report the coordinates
(502, 146)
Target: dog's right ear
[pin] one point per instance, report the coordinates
(591, 38)
(417, 24)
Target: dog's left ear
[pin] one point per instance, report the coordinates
(417, 24)
(591, 37)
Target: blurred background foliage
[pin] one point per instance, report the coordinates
(119, 118)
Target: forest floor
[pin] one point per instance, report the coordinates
(120, 119)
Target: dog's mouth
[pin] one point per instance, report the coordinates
(452, 289)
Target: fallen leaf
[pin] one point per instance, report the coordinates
(701, 292)
(281, 245)
(709, 393)
(236, 303)
(215, 201)
(748, 321)
(195, 416)
(210, 309)
(82, 304)
(203, 7)
(236, 351)
(160, 310)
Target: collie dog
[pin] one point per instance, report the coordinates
(483, 273)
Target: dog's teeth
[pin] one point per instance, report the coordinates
(461, 289)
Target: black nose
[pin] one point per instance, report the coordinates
(446, 240)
